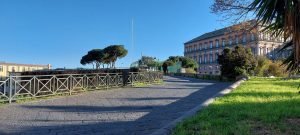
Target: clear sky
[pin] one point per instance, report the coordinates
(60, 32)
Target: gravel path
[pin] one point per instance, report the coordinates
(117, 111)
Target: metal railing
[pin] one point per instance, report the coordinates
(32, 86)
(144, 77)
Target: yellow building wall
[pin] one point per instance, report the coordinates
(6, 69)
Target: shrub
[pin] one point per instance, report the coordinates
(276, 69)
(267, 67)
(236, 62)
(262, 65)
(190, 70)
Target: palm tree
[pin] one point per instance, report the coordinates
(281, 17)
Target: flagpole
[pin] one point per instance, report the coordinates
(132, 40)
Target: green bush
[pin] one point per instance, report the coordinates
(276, 69)
(267, 67)
(190, 70)
(236, 62)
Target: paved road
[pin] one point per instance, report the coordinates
(117, 111)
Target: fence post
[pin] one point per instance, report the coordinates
(10, 89)
(34, 86)
(70, 84)
(107, 80)
(132, 79)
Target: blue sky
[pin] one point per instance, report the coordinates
(60, 32)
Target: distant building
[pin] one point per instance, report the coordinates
(206, 48)
(7, 68)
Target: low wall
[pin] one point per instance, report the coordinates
(199, 76)
(77, 71)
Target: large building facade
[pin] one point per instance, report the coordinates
(7, 68)
(206, 48)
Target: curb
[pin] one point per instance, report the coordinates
(166, 130)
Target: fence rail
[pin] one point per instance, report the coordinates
(29, 86)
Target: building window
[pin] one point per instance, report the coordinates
(273, 54)
(253, 50)
(216, 55)
(223, 42)
(211, 44)
(259, 51)
(205, 45)
(252, 37)
(13, 69)
(236, 39)
(200, 46)
(210, 58)
(230, 41)
(244, 38)
(200, 59)
(217, 43)
(268, 36)
(1, 68)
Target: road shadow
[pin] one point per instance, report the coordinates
(156, 117)
(186, 79)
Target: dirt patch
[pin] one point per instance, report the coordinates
(293, 121)
(257, 128)
(289, 126)
(260, 129)
(293, 125)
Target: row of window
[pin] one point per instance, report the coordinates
(211, 73)
(13, 69)
(270, 37)
(216, 44)
(216, 67)
(207, 58)
(262, 51)
(212, 57)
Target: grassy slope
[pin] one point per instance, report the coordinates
(258, 106)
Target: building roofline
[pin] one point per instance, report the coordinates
(17, 64)
(215, 33)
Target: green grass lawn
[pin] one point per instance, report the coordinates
(258, 106)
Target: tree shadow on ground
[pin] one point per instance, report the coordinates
(81, 108)
(186, 79)
(156, 117)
